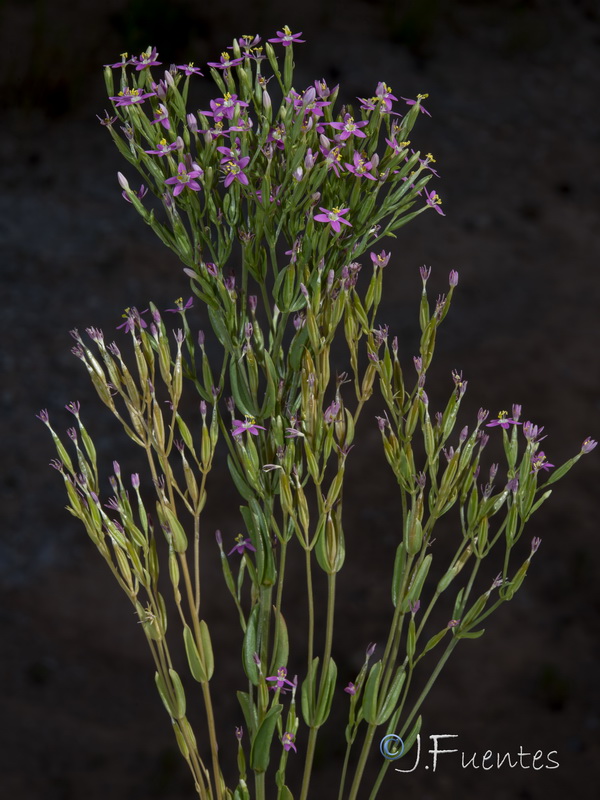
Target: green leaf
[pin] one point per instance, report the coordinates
(281, 652)
(398, 575)
(249, 710)
(249, 647)
(209, 660)
(240, 390)
(387, 706)
(261, 746)
(240, 484)
(369, 703)
(179, 705)
(326, 693)
(193, 656)
(307, 694)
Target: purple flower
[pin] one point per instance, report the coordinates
(277, 136)
(280, 680)
(190, 69)
(132, 318)
(351, 688)
(248, 425)
(434, 201)
(128, 97)
(384, 93)
(180, 306)
(286, 38)
(162, 148)
(535, 543)
(539, 461)
(588, 445)
(225, 62)
(453, 623)
(125, 62)
(333, 156)
(161, 115)
(380, 259)
(412, 103)
(185, 178)
(349, 127)
(234, 171)
(503, 420)
(333, 217)
(532, 432)
(360, 167)
(242, 544)
(453, 278)
(225, 107)
(147, 59)
(287, 740)
(140, 194)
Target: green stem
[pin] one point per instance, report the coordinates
(432, 678)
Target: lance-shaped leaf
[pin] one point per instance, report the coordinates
(261, 746)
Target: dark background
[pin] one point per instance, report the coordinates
(514, 88)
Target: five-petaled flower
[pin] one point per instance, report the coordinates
(349, 127)
(180, 307)
(434, 201)
(286, 38)
(280, 681)
(287, 740)
(361, 166)
(128, 97)
(190, 69)
(234, 171)
(333, 217)
(185, 178)
(146, 59)
(413, 102)
(503, 420)
(249, 424)
(242, 544)
(162, 148)
(539, 461)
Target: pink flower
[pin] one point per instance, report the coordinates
(360, 167)
(539, 461)
(349, 127)
(333, 217)
(185, 179)
(503, 420)
(147, 59)
(287, 740)
(242, 544)
(248, 425)
(234, 171)
(128, 97)
(413, 102)
(286, 38)
(280, 680)
(190, 69)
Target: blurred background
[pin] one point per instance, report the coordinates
(513, 92)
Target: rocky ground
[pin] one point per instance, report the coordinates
(515, 130)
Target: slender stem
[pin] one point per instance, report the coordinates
(310, 754)
(432, 678)
(311, 610)
(360, 767)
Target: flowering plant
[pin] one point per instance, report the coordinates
(293, 196)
